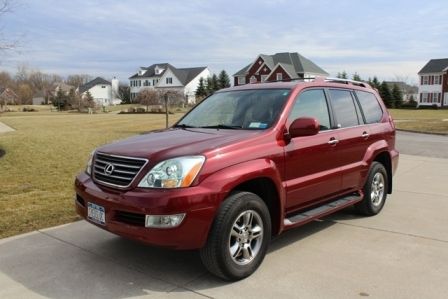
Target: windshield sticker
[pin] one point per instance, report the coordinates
(257, 125)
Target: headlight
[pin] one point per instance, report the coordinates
(89, 163)
(173, 173)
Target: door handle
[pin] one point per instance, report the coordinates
(333, 141)
(365, 134)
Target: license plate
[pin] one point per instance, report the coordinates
(96, 213)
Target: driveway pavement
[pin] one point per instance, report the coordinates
(422, 144)
(401, 253)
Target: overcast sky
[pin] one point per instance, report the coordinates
(113, 38)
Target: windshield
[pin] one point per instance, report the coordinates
(245, 109)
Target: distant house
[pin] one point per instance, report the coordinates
(278, 67)
(409, 91)
(62, 87)
(7, 96)
(166, 76)
(433, 88)
(104, 93)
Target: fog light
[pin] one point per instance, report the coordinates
(164, 221)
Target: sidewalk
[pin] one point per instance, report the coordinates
(4, 128)
(400, 253)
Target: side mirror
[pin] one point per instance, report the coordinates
(304, 126)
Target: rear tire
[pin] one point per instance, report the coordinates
(239, 237)
(375, 191)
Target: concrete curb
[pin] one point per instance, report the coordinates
(420, 132)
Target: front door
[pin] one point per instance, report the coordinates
(311, 167)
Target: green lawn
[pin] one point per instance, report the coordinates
(421, 120)
(44, 155)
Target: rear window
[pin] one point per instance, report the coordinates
(370, 106)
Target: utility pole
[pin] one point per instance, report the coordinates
(166, 109)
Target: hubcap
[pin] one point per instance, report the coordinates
(246, 237)
(377, 189)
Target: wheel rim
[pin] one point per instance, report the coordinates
(246, 237)
(377, 189)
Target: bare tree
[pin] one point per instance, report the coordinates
(77, 80)
(148, 97)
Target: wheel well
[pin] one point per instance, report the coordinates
(266, 190)
(384, 158)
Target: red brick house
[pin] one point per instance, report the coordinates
(433, 87)
(278, 67)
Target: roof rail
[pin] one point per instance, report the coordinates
(347, 81)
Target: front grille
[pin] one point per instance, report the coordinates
(130, 218)
(116, 171)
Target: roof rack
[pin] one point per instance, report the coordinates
(347, 81)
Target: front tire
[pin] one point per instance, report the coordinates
(239, 237)
(375, 191)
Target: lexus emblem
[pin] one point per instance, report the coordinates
(108, 169)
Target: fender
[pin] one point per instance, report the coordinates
(227, 179)
(372, 152)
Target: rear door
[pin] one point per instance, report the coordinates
(354, 137)
(311, 161)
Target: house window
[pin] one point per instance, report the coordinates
(169, 80)
(435, 97)
(437, 80)
(279, 76)
(253, 79)
(424, 97)
(103, 86)
(425, 80)
(263, 78)
(241, 80)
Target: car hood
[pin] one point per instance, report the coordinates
(176, 142)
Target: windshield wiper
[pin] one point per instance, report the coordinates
(184, 126)
(221, 126)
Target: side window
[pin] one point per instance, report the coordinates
(344, 108)
(312, 103)
(370, 106)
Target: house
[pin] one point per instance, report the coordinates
(7, 96)
(409, 91)
(61, 87)
(104, 93)
(278, 67)
(433, 88)
(166, 76)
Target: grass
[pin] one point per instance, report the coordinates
(421, 120)
(44, 155)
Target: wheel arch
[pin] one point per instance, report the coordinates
(385, 159)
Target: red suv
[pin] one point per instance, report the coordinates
(244, 165)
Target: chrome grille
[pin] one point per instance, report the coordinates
(116, 171)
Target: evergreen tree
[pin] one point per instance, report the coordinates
(223, 80)
(215, 83)
(339, 75)
(201, 91)
(386, 95)
(397, 96)
(344, 75)
(90, 100)
(356, 77)
(209, 88)
(376, 83)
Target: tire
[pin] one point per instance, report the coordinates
(239, 237)
(375, 191)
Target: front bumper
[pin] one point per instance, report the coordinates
(125, 212)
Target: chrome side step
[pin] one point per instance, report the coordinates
(321, 211)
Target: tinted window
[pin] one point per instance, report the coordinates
(344, 108)
(370, 106)
(312, 103)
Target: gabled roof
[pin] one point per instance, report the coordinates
(293, 63)
(434, 66)
(150, 71)
(96, 81)
(185, 75)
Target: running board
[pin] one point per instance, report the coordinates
(321, 211)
